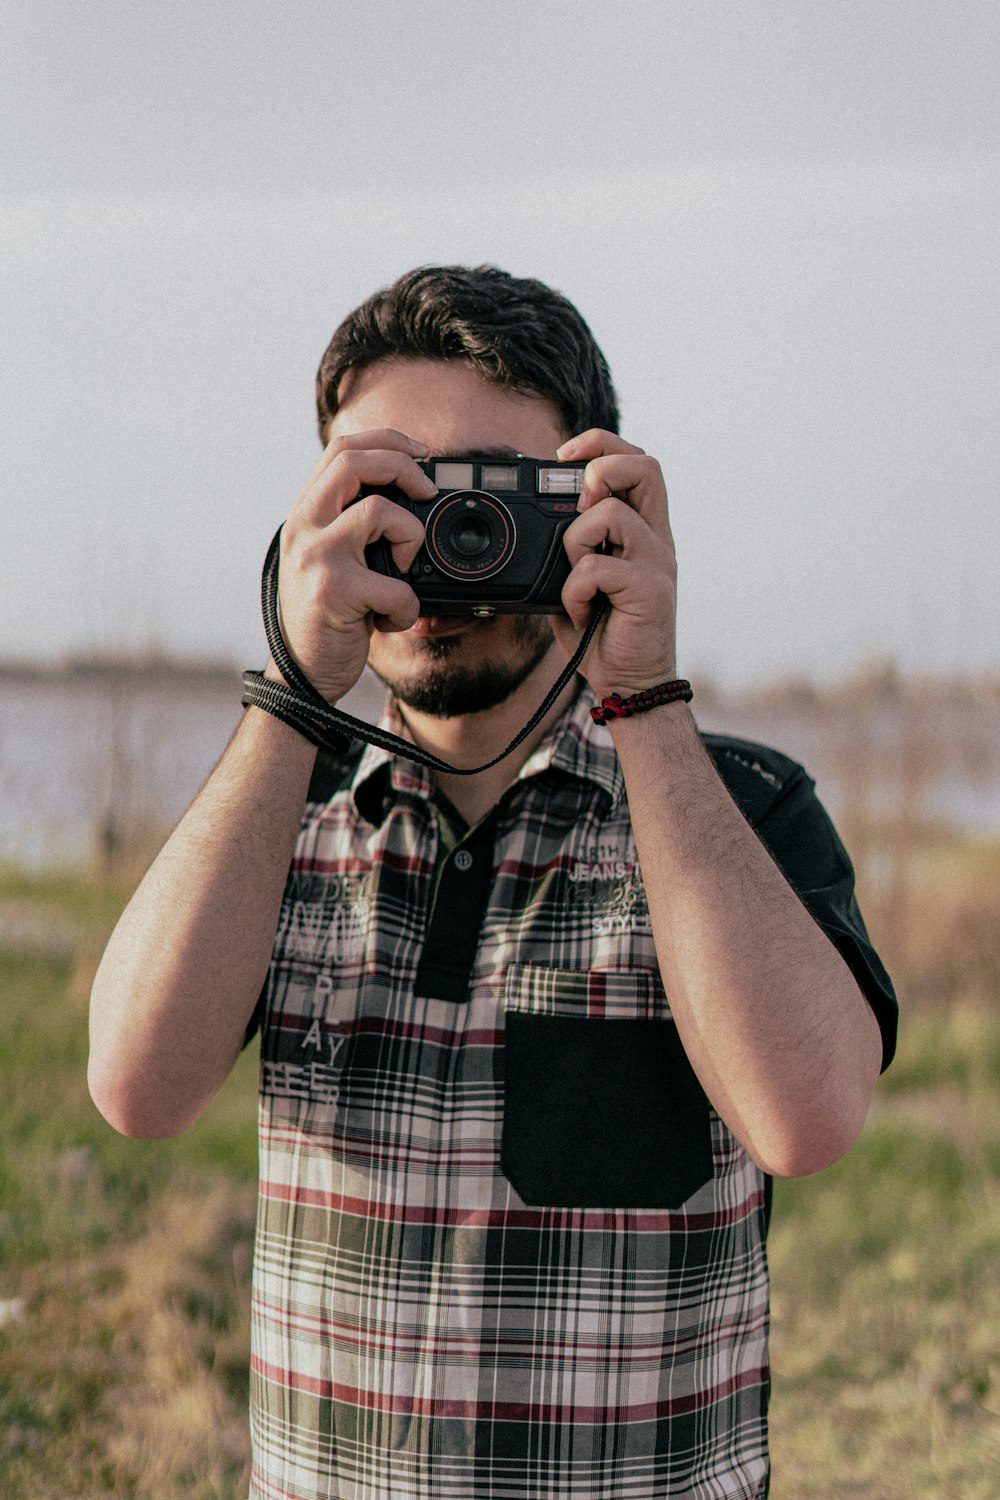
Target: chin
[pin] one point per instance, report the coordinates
(447, 682)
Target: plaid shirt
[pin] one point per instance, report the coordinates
(505, 1246)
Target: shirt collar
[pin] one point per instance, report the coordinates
(574, 746)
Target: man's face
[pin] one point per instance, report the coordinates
(448, 665)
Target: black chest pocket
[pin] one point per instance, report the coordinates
(602, 1108)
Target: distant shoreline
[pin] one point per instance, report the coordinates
(869, 682)
(97, 745)
(150, 668)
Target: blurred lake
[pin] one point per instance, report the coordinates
(92, 755)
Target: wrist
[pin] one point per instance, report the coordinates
(668, 732)
(266, 729)
(331, 692)
(273, 672)
(627, 678)
(619, 705)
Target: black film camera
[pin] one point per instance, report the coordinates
(493, 542)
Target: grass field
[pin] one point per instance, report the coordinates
(124, 1266)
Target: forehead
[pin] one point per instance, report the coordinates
(447, 405)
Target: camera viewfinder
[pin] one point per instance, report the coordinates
(500, 476)
(453, 476)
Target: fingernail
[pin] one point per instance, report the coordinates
(419, 447)
(567, 450)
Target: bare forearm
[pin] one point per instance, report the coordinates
(773, 1021)
(185, 965)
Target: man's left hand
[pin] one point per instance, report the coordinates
(622, 506)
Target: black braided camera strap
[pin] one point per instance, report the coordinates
(296, 702)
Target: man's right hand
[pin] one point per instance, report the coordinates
(330, 600)
(184, 967)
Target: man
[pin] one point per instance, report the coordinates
(533, 1040)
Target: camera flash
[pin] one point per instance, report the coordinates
(560, 481)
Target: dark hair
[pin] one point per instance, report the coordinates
(517, 332)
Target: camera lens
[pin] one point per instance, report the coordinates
(470, 535)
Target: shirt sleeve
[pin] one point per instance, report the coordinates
(331, 774)
(780, 802)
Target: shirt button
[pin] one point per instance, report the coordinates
(463, 860)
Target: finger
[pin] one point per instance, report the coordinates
(377, 516)
(340, 482)
(322, 552)
(378, 437)
(359, 594)
(595, 443)
(609, 523)
(386, 438)
(634, 478)
(390, 601)
(596, 573)
(345, 591)
(347, 536)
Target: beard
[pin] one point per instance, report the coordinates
(449, 690)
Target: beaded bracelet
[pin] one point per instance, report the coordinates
(617, 707)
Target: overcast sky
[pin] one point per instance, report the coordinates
(779, 218)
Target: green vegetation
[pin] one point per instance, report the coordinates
(886, 1308)
(124, 1265)
(886, 1305)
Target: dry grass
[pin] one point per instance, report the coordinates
(886, 1339)
(124, 1272)
(131, 1360)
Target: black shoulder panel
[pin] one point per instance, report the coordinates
(332, 773)
(755, 775)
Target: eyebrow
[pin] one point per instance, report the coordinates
(499, 450)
